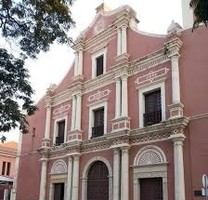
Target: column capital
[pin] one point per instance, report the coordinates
(116, 151)
(48, 102)
(44, 160)
(125, 149)
(178, 138)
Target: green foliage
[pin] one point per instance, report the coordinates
(36, 24)
(200, 8)
(31, 26)
(14, 86)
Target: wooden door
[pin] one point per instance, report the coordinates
(98, 182)
(151, 189)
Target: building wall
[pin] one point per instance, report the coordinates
(174, 149)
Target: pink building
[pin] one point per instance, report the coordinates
(128, 122)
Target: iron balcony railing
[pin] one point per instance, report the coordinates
(152, 118)
(97, 131)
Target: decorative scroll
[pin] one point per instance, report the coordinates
(61, 109)
(99, 95)
(152, 75)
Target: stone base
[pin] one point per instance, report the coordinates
(120, 124)
(75, 135)
(176, 110)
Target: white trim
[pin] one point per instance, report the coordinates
(150, 170)
(150, 88)
(93, 58)
(56, 128)
(91, 117)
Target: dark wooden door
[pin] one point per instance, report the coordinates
(59, 191)
(151, 189)
(98, 182)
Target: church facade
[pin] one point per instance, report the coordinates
(128, 121)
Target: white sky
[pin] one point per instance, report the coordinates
(154, 16)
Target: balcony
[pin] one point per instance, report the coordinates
(152, 118)
(59, 140)
(97, 131)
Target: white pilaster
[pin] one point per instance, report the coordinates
(43, 179)
(73, 118)
(116, 168)
(175, 80)
(119, 50)
(76, 64)
(124, 39)
(48, 119)
(118, 98)
(125, 173)
(124, 96)
(69, 179)
(78, 112)
(75, 187)
(178, 166)
(80, 63)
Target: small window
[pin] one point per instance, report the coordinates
(98, 128)
(60, 132)
(153, 109)
(8, 168)
(3, 172)
(99, 60)
(99, 65)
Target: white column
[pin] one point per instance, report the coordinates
(124, 39)
(178, 166)
(73, 117)
(43, 179)
(78, 112)
(80, 63)
(124, 96)
(48, 119)
(125, 173)
(175, 80)
(75, 188)
(76, 63)
(116, 162)
(84, 188)
(118, 98)
(69, 179)
(119, 42)
(6, 194)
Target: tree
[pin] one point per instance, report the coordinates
(29, 26)
(200, 9)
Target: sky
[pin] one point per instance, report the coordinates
(51, 67)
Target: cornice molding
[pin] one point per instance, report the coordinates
(155, 133)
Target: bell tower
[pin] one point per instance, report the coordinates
(187, 14)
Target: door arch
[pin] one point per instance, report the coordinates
(98, 182)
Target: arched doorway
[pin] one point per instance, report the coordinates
(97, 182)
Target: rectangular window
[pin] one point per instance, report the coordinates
(98, 128)
(58, 191)
(153, 110)
(8, 168)
(99, 61)
(99, 65)
(60, 132)
(3, 172)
